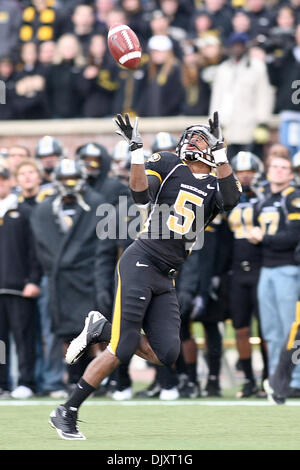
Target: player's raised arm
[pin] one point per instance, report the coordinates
(229, 185)
(138, 178)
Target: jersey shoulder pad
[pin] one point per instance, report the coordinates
(293, 203)
(44, 193)
(160, 164)
(286, 192)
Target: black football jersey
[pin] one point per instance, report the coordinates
(241, 221)
(181, 207)
(279, 218)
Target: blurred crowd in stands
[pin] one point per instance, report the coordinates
(241, 59)
(55, 62)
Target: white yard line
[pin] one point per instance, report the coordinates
(149, 403)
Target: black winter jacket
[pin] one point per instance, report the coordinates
(18, 261)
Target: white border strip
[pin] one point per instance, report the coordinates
(199, 402)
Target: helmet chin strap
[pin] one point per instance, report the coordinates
(194, 156)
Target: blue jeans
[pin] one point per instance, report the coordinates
(50, 365)
(278, 290)
(289, 134)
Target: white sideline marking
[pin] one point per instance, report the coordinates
(151, 403)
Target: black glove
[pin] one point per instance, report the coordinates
(215, 128)
(219, 149)
(128, 132)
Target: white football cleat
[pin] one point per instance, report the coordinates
(22, 392)
(91, 333)
(120, 395)
(169, 394)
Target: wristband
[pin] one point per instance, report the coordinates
(220, 156)
(137, 156)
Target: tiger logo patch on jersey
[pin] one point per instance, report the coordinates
(154, 158)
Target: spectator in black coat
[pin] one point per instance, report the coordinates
(99, 79)
(65, 231)
(221, 16)
(31, 98)
(103, 9)
(163, 93)
(136, 19)
(8, 77)
(63, 79)
(179, 16)
(197, 92)
(83, 25)
(261, 17)
(46, 53)
(241, 23)
(160, 26)
(201, 24)
(131, 87)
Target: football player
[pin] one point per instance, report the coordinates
(97, 162)
(277, 228)
(49, 150)
(184, 197)
(167, 379)
(246, 262)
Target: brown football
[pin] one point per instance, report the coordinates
(124, 46)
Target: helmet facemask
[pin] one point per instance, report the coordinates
(93, 166)
(247, 161)
(195, 137)
(70, 177)
(70, 186)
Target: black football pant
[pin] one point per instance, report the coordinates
(18, 316)
(243, 302)
(289, 358)
(145, 298)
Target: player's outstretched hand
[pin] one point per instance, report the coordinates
(128, 131)
(219, 149)
(215, 128)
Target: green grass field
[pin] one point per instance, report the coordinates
(136, 425)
